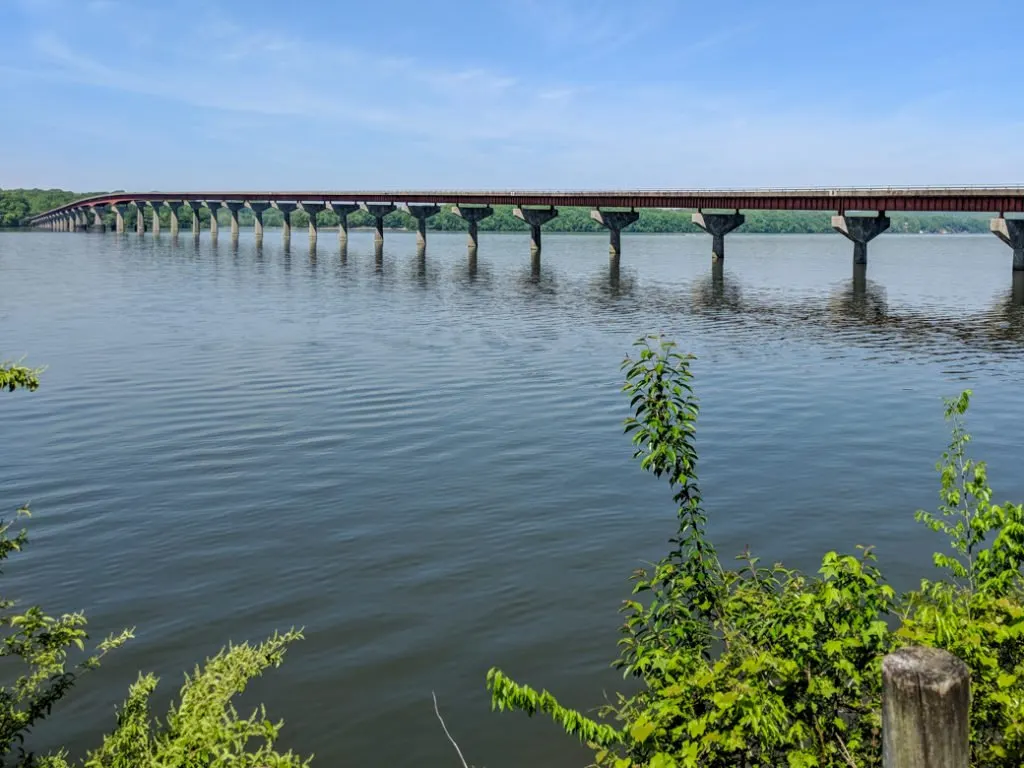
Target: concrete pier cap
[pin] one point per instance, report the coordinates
(473, 215)
(173, 206)
(343, 211)
(536, 218)
(615, 222)
(860, 230)
(1011, 232)
(718, 225)
(421, 213)
(234, 206)
(194, 206)
(379, 211)
(140, 216)
(257, 216)
(286, 210)
(312, 209)
(214, 206)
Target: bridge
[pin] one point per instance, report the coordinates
(859, 213)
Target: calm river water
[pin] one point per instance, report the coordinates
(423, 463)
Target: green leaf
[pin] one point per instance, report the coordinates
(641, 730)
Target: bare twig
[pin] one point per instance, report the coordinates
(845, 751)
(438, 713)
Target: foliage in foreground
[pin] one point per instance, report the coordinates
(202, 730)
(766, 666)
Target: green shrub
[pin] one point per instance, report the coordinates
(766, 666)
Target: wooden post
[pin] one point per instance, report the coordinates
(925, 709)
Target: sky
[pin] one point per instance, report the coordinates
(509, 94)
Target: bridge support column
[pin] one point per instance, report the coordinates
(313, 209)
(378, 211)
(421, 213)
(118, 218)
(172, 206)
(257, 218)
(718, 225)
(473, 217)
(97, 220)
(615, 221)
(233, 207)
(194, 206)
(1011, 232)
(140, 217)
(286, 228)
(155, 218)
(536, 218)
(861, 230)
(214, 206)
(342, 211)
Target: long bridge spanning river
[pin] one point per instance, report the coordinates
(860, 213)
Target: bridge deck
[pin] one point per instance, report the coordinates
(985, 199)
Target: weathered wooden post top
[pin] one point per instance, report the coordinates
(925, 710)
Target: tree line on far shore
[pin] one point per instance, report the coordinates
(16, 205)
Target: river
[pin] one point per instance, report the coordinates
(421, 461)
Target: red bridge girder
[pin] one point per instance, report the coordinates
(840, 200)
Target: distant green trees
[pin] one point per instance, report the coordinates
(17, 204)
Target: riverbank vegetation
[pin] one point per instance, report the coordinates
(18, 204)
(749, 665)
(202, 730)
(733, 665)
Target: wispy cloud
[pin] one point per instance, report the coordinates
(579, 96)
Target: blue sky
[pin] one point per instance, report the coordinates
(254, 94)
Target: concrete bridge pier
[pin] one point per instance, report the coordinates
(378, 211)
(536, 218)
(1011, 232)
(155, 218)
(81, 220)
(718, 225)
(313, 209)
(343, 211)
(861, 230)
(97, 220)
(257, 218)
(1017, 289)
(473, 216)
(119, 218)
(286, 227)
(615, 221)
(173, 206)
(194, 206)
(214, 206)
(421, 213)
(140, 217)
(233, 207)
